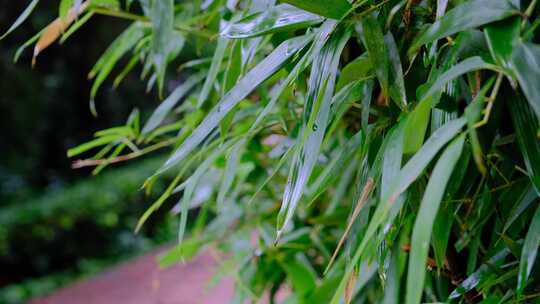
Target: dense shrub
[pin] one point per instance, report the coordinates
(55, 235)
(372, 151)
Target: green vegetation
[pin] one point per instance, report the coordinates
(371, 151)
(40, 239)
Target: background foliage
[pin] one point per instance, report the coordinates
(366, 151)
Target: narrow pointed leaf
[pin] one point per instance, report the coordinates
(374, 43)
(526, 127)
(217, 60)
(170, 102)
(468, 65)
(467, 15)
(266, 68)
(529, 251)
(162, 14)
(526, 66)
(334, 9)
(24, 15)
(426, 217)
(410, 172)
(282, 17)
(316, 118)
(502, 37)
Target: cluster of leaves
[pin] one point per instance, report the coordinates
(371, 151)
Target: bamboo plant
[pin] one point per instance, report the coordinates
(339, 151)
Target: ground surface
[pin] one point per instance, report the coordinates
(140, 281)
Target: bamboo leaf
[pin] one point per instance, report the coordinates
(168, 104)
(334, 9)
(481, 274)
(215, 66)
(162, 15)
(526, 66)
(425, 219)
(407, 176)
(282, 17)
(266, 68)
(526, 126)
(468, 65)
(316, 118)
(22, 17)
(467, 15)
(373, 39)
(529, 251)
(502, 37)
(525, 199)
(123, 44)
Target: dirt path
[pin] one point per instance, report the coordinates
(140, 281)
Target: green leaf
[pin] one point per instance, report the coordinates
(481, 274)
(334, 9)
(279, 18)
(266, 68)
(526, 66)
(168, 104)
(426, 217)
(316, 117)
(395, 78)
(502, 37)
(357, 69)
(525, 199)
(217, 60)
(22, 17)
(101, 141)
(162, 15)
(416, 126)
(64, 7)
(529, 251)
(373, 39)
(301, 275)
(123, 44)
(467, 15)
(468, 65)
(410, 172)
(473, 113)
(526, 126)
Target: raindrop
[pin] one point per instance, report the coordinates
(315, 127)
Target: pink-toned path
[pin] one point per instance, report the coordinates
(140, 281)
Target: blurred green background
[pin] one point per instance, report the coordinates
(59, 224)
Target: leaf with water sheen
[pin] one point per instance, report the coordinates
(373, 39)
(334, 9)
(526, 126)
(425, 219)
(282, 17)
(410, 172)
(529, 251)
(266, 68)
(467, 15)
(162, 15)
(316, 118)
(526, 66)
(217, 60)
(170, 102)
(22, 17)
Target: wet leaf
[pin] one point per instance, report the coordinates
(266, 68)
(529, 251)
(426, 217)
(282, 17)
(334, 9)
(467, 15)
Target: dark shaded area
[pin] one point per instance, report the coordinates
(45, 110)
(57, 223)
